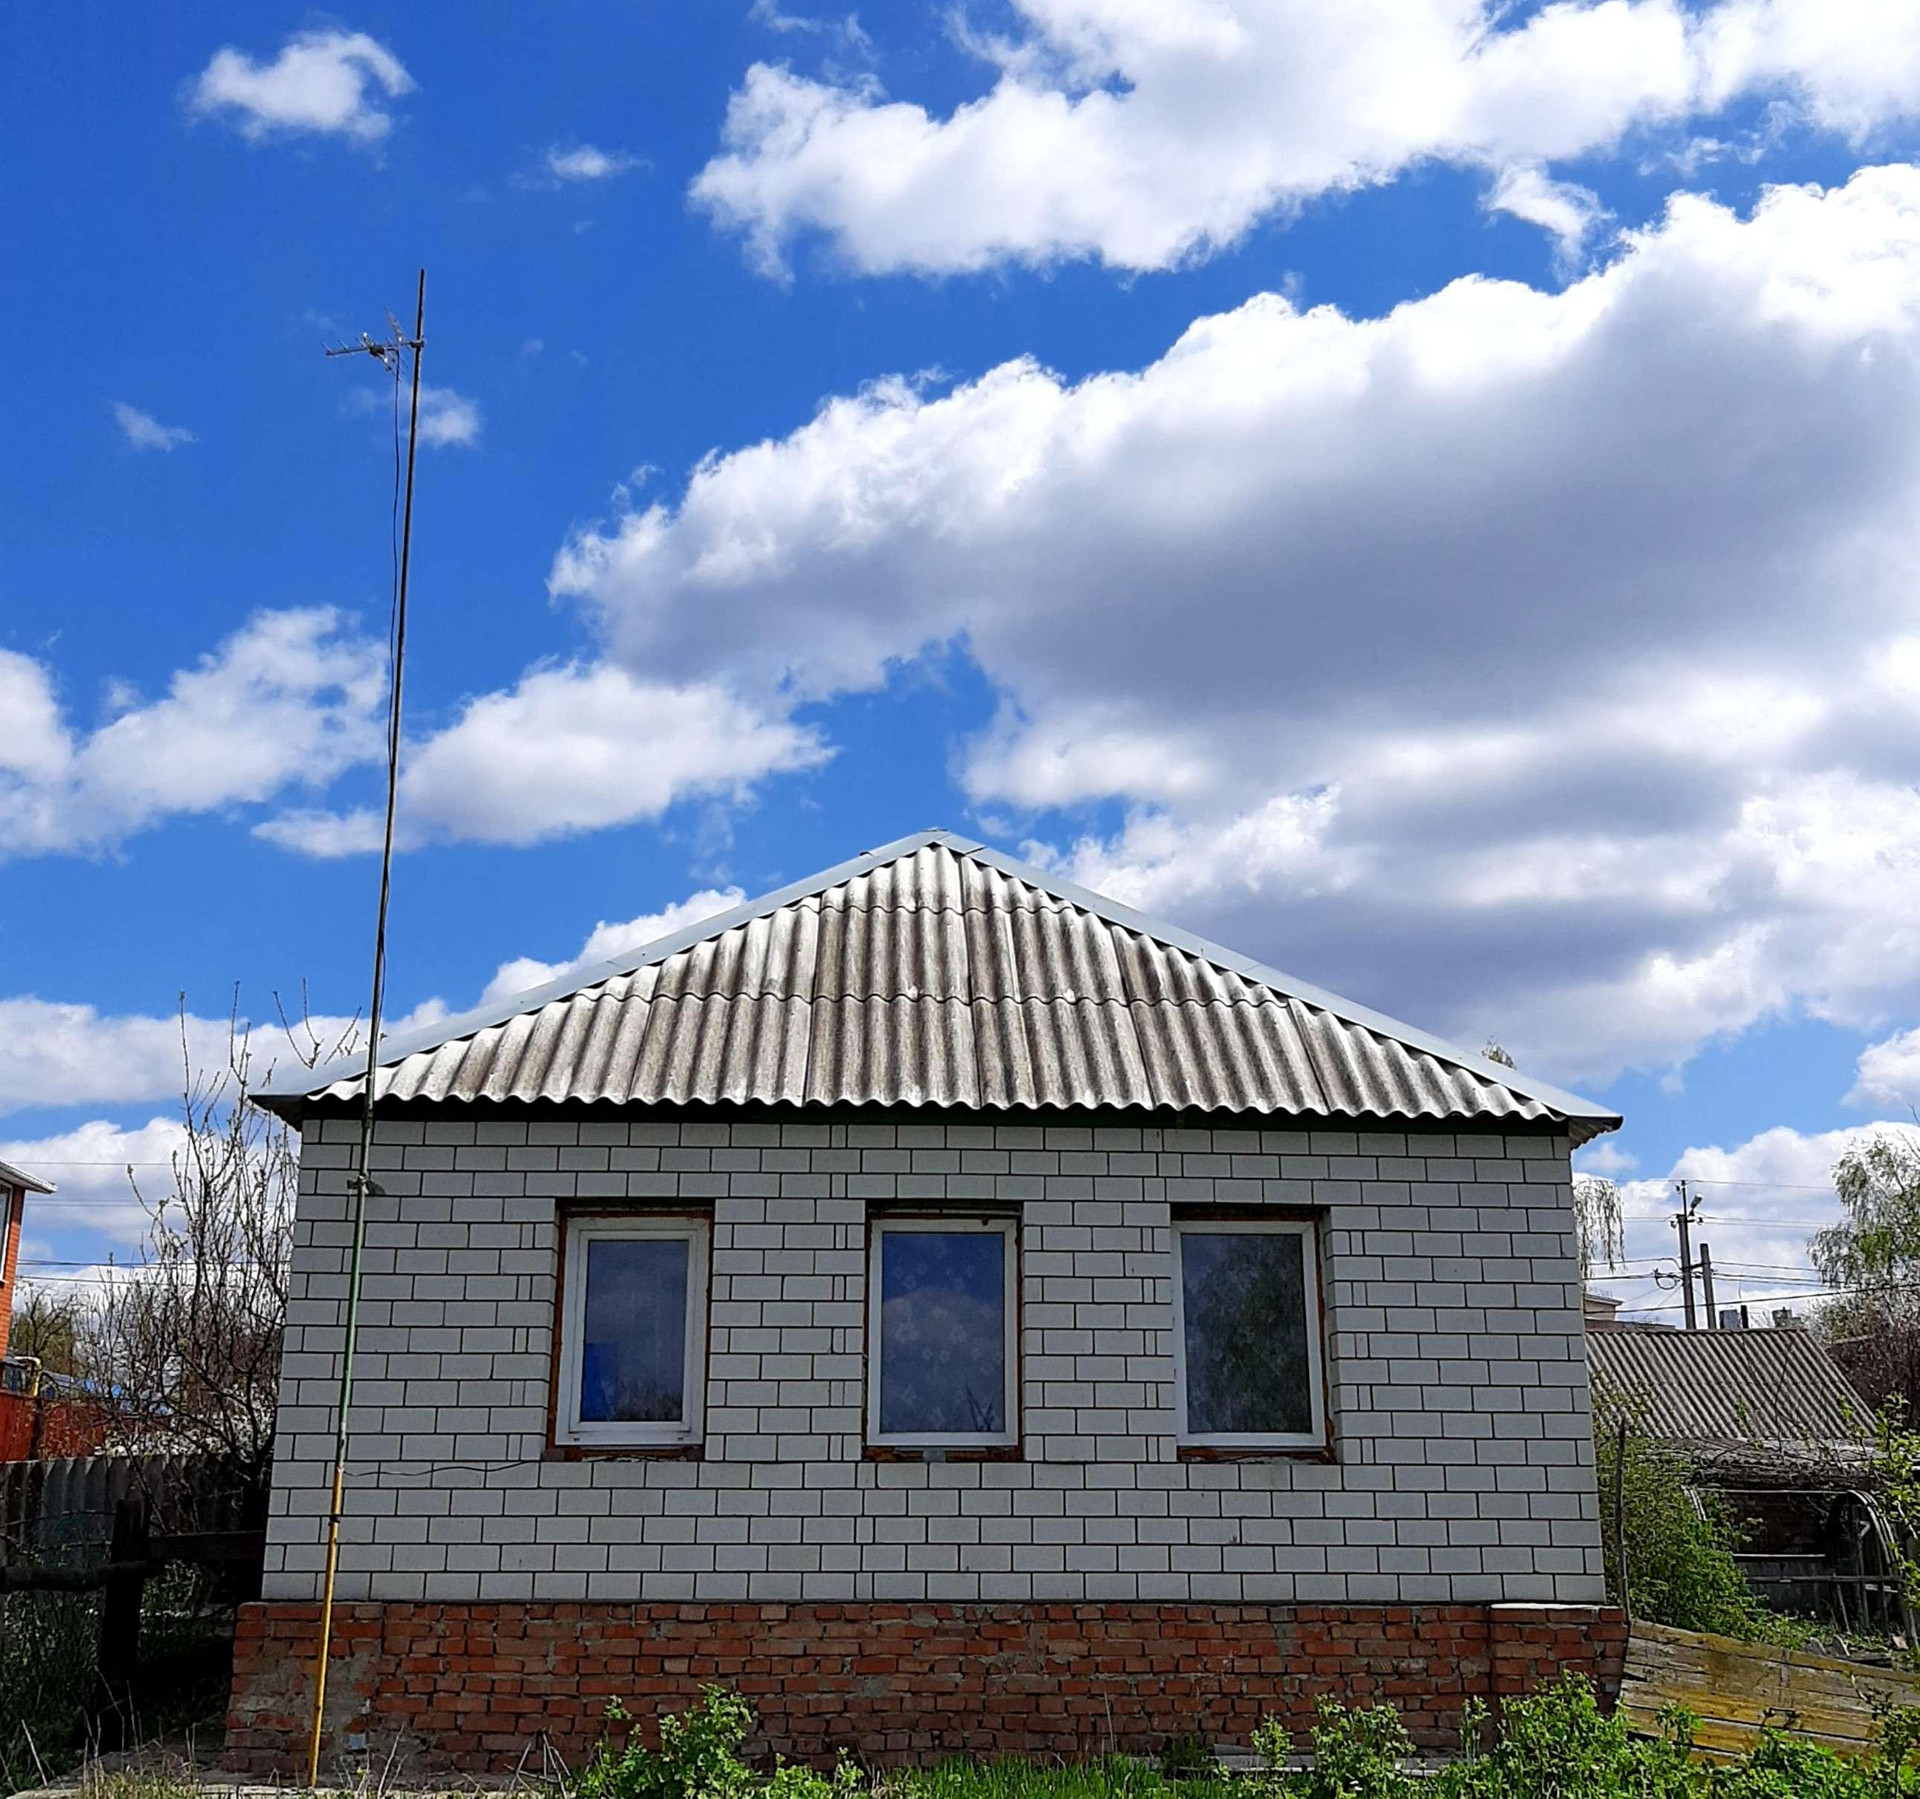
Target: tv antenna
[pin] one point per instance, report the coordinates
(392, 353)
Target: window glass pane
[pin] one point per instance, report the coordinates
(633, 1354)
(1245, 1300)
(943, 1341)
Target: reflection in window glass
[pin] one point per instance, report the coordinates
(1248, 1368)
(633, 1352)
(943, 1339)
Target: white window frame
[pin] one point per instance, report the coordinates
(1308, 1233)
(1008, 1230)
(568, 1426)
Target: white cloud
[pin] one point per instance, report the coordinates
(291, 699)
(586, 163)
(1566, 212)
(328, 82)
(1607, 1158)
(568, 749)
(1145, 136)
(145, 432)
(58, 1054)
(448, 418)
(1889, 1073)
(608, 940)
(1458, 659)
(1759, 1203)
(94, 1168)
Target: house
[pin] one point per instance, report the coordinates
(952, 1308)
(22, 1431)
(1600, 1312)
(15, 1185)
(1718, 1391)
(1776, 1437)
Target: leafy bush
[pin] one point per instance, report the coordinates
(1557, 1744)
(1357, 1754)
(1679, 1557)
(699, 1758)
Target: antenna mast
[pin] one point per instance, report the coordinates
(390, 353)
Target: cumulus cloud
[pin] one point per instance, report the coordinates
(568, 749)
(1145, 136)
(608, 940)
(1333, 610)
(1567, 212)
(585, 162)
(58, 1054)
(145, 432)
(292, 698)
(1889, 1073)
(100, 1171)
(448, 418)
(331, 82)
(1760, 1201)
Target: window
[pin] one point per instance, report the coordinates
(1247, 1335)
(634, 1334)
(941, 1317)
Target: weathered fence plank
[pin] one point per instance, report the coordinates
(58, 1513)
(1736, 1690)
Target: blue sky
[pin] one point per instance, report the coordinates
(1423, 493)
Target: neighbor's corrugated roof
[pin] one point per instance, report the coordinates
(1714, 1387)
(11, 1176)
(937, 972)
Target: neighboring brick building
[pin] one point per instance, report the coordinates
(15, 1185)
(956, 1310)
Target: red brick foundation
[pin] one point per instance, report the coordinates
(477, 1687)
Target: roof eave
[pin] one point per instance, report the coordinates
(11, 1176)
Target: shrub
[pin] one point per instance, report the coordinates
(1357, 1754)
(1680, 1568)
(699, 1758)
(1557, 1744)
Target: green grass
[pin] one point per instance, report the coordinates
(48, 1645)
(1113, 1778)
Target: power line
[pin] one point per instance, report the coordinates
(77, 1162)
(1761, 1299)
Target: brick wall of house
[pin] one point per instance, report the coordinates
(484, 1687)
(13, 1206)
(1461, 1470)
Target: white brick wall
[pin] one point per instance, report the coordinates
(1463, 1464)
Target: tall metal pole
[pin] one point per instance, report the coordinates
(1706, 1286)
(363, 1179)
(1683, 1223)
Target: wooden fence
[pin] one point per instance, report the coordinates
(109, 1524)
(1737, 1690)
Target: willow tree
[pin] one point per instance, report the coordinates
(1872, 1261)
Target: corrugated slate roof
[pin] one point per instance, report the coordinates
(938, 972)
(1723, 1387)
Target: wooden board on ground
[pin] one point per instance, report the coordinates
(1735, 1690)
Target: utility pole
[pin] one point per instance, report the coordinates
(391, 355)
(1706, 1285)
(1683, 1223)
